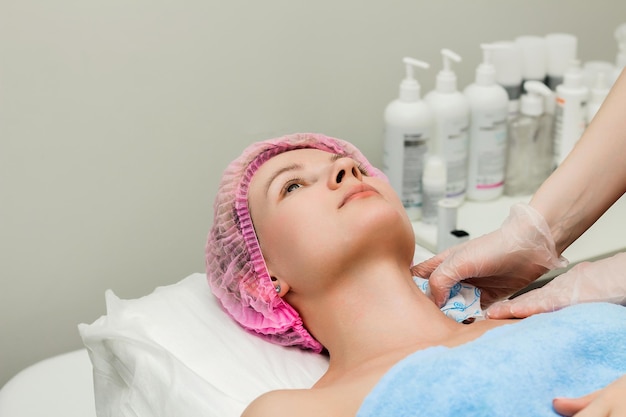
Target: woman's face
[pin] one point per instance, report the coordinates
(315, 213)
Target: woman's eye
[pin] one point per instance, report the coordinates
(292, 187)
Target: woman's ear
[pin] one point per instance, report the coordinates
(280, 288)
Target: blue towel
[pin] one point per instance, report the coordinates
(512, 370)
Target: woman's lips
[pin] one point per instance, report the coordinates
(358, 191)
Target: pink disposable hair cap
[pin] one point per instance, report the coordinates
(236, 270)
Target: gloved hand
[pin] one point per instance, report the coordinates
(499, 263)
(603, 280)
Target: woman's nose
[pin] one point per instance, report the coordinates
(342, 170)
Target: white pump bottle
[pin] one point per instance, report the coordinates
(408, 129)
(489, 105)
(452, 116)
(597, 94)
(508, 64)
(570, 118)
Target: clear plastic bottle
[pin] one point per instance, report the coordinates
(408, 130)
(529, 155)
(451, 134)
(489, 108)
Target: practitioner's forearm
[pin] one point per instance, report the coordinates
(592, 177)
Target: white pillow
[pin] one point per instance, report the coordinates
(176, 353)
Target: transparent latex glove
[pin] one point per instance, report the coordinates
(499, 263)
(603, 280)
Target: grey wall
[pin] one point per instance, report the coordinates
(117, 118)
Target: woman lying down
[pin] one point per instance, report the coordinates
(311, 247)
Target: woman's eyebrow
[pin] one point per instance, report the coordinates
(278, 172)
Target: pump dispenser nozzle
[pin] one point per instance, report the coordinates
(410, 88)
(533, 100)
(446, 79)
(486, 71)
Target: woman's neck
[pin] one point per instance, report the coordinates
(372, 312)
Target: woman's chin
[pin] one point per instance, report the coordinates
(389, 227)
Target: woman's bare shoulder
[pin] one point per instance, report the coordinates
(290, 402)
(274, 403)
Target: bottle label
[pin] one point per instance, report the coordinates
(569, 125)
(488, 152)
(403, 163)
(456, 142)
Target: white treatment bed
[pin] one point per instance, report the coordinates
(60, 386)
